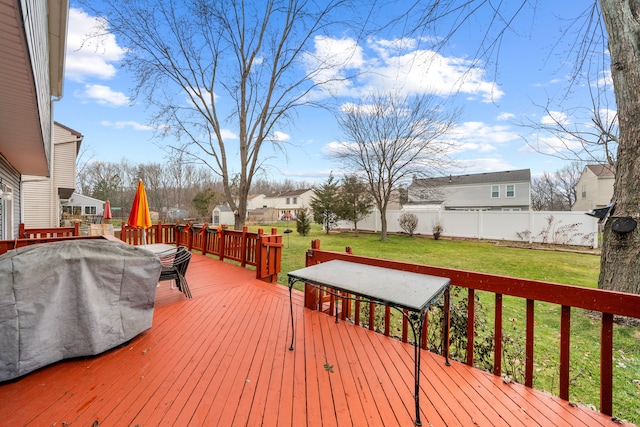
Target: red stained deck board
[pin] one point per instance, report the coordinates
(223, 358)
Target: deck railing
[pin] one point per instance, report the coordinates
(36, 233)
(607, 303)
(256, 249)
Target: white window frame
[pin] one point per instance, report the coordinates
(506, 191)
(495, 187)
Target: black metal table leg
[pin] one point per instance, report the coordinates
(291, 281)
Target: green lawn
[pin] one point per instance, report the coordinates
(559, 267)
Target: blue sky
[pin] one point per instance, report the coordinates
(531, 70)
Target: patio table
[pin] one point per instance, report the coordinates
(402, 290)
(158, 248)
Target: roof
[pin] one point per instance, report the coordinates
(477, 178)
(289, 193)
(602, 171)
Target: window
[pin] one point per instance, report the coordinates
(584, 191)
(89, 210)
(511, 190)
(495, 191)
(295, 200)
(288, 201)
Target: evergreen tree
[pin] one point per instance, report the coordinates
(356, 202)
(303, 222)
(325, 204)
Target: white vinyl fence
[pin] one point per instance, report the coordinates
(561, 228)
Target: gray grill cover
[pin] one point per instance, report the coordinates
(72, 298)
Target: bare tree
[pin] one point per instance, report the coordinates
(583, 134)
(390, 139)
(620, 269)
(557, 191)
(606, 35)
(205, 64)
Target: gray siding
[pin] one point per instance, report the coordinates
(34, 14)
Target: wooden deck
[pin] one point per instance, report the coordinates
(222, 359)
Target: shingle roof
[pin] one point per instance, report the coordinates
(478, 178)
(602, 170)
(290, 193)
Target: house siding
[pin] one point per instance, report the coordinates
(479, 196)
(35, 16)
(9, 210)
(592, 191)
(37, 202)
(41, 200)
(290, 202)
(474, 191)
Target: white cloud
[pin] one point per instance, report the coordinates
(124, 124)
(503, 117)
(608, 116)
(228, 134)
(394, 65)
(330, 61)
(552, 145)
(555, 118)
(280, 137)
(103, 95)
(90, 56)
(480, 137)
(480, 165)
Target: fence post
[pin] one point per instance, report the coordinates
(243, 246)
(221, 243)
(260, 253)
(310, 292)
(76, 228)
(189, 231)
(205, 237)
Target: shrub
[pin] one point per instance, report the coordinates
(409, 223)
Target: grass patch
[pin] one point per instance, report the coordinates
(560, 267)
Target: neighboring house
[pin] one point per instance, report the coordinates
(502, 191)
(177, 214)
(255, 201)
(594, 188)
(263, 216)
(31, 65)
(43, 196)
(288, 203)
(83, 208)
(223, 215)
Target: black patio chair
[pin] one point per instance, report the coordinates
(174, 267)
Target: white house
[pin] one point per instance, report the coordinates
(83, 207)
(287, 203)
(594, 188)
(501, 191)
(43, 196)
(222, 215)
(32, 57)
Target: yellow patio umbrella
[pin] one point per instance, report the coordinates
(140, 216)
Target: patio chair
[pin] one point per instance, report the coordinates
(174, 267)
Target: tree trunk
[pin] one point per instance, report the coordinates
(620, 262)
(383, 224)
